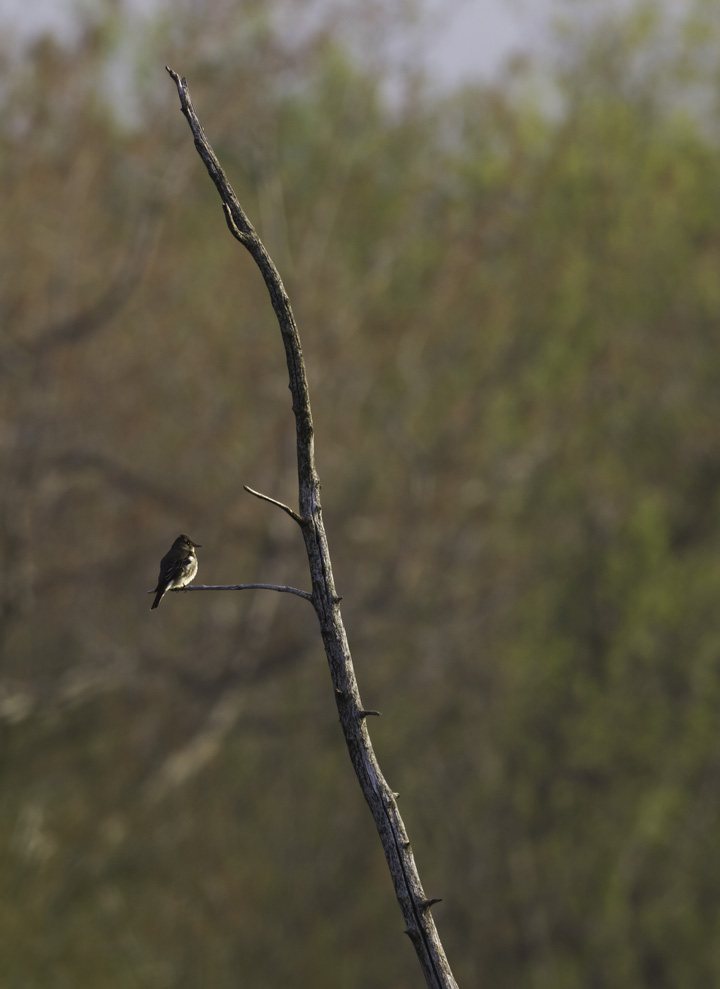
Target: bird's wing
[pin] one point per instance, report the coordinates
(171, 570)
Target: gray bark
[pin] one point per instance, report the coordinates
(413, 902)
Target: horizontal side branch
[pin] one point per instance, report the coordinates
(282, 588)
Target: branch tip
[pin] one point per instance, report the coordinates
(175, 77)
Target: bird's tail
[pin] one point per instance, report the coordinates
(158, 599)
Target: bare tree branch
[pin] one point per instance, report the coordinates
(353, 715)
(264, 497)
(283, 588)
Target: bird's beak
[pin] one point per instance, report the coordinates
(197, 545)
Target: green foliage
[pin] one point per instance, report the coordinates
(509, 311)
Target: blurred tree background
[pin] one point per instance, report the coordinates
(509, 299)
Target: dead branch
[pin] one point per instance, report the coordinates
(282, 588)
(415, 905)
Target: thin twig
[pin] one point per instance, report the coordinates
(380, 798)
(282, 588)
(264, 497)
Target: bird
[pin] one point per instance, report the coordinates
(177, 567)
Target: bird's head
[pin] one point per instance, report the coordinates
(185, 542)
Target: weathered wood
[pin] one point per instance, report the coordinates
(413, 902)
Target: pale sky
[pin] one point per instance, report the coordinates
(474, 37)
(468, 37)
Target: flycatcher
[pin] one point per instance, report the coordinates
(177, 567)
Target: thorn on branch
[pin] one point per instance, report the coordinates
(367, 714)
(426, 904)
(272, 501)
(407, 846)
